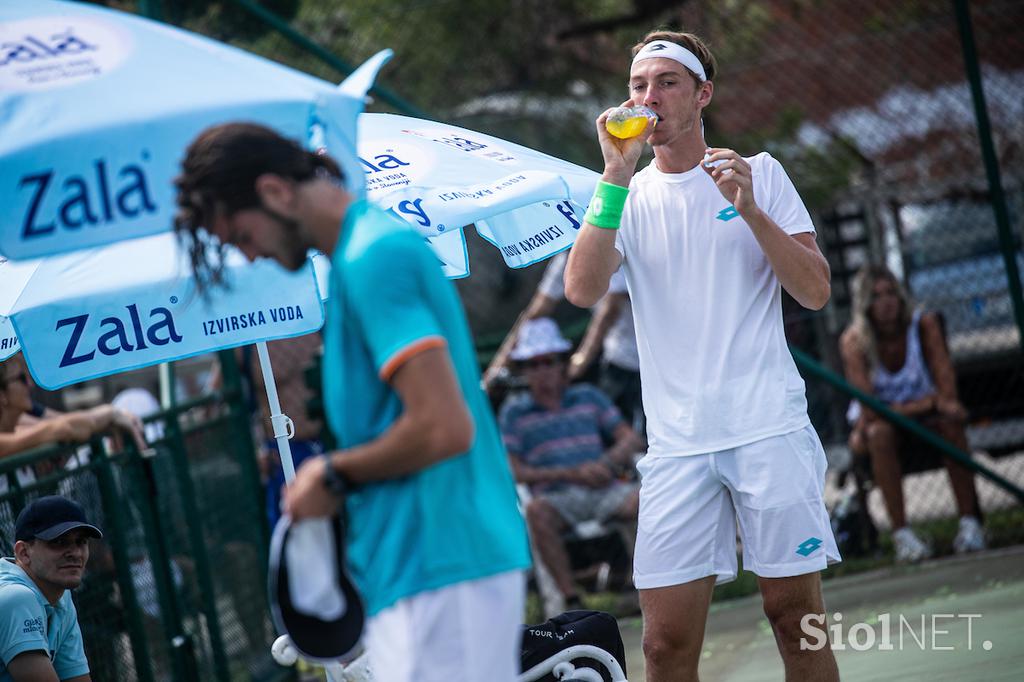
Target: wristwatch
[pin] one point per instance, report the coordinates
(338, 483)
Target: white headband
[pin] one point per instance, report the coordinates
(673, 51)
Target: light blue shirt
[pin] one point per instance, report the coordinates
(457, 520)
(28, 622)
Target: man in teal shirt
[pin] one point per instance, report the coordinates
(40, 640)
(436, 543)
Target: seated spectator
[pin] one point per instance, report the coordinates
(40, 638)
(609, 335)
(79, 426)
(555, 437)
(899, 355)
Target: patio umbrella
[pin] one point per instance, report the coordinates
(8, 340)
(99, 105)
(133, 304)
(13, 277)
(440, 178)
(96, 121)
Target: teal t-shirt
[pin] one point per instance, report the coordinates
(30, 623)
(457, 520)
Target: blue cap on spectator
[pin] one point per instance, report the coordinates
(50, 517)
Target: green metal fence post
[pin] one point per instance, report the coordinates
(180, 644)
(232, 394)
(117, 541)
(204, 570)
(18, 502)
(152, 9)
(988, 154)
(168, 390)
(817, 370)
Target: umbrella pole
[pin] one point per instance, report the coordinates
(168, 397)
(283, 426)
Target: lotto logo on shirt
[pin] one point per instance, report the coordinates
(32, 625)
(727, 214)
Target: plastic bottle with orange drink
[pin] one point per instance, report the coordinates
(626, 122)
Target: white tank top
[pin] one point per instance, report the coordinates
(912, 380)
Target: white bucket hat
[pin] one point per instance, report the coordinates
(539, 337)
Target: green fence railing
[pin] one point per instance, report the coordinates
(177, 587)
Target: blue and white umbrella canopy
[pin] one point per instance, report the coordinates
(440, 178)
(13, 278)
(98, 107)
(133, 304)
(8, 339)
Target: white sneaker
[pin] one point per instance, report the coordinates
(970, 537)
(909, 548)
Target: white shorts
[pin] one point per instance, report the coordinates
(466, 632)
(689, 507)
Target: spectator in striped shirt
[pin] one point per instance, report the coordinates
(556, 436)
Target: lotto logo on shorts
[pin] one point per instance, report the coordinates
(808, 546)
(727, 214)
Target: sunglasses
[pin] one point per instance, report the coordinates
(545, 361)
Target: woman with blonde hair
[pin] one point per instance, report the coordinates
(899, 354)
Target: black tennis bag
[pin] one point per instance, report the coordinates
(596, 628)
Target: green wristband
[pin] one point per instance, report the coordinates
(605, 209)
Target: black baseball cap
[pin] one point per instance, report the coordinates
(50, 517)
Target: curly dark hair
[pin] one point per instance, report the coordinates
(218, 178)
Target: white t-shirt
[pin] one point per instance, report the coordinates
(715, 369)
(619, 344)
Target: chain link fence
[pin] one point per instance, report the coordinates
(868, 105)
(176, 589)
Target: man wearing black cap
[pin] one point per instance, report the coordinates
(39, 635)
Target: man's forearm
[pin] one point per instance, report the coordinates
(597, 330)
(27, 438)
(540, 305)
(624, 448)
(405, 448)
(533, 475)
(802, 272)
(500, 358)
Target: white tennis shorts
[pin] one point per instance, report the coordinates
(466, 632)
(689, 507)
